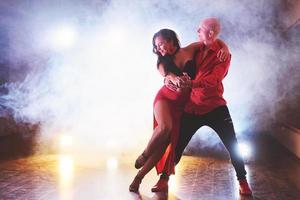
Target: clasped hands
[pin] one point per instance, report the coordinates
(178, 83)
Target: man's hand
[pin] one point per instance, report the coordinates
(186, 81)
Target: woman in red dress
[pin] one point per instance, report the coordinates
(168, 105)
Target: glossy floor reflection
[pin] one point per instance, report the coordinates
(273, 174)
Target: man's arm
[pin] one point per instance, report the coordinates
(171, 80)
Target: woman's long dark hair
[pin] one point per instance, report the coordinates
(168, 35)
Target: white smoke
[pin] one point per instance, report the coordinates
(101, 89)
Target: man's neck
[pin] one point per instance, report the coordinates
(208, 46)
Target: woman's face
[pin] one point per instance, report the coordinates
(163, 46)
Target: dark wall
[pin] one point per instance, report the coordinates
(289, 103)
(4, 56)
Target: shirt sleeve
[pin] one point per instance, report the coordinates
(214, 78)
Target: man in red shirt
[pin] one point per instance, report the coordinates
(206, 105)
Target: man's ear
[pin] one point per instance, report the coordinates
(211, 34)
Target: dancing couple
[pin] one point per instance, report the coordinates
(191, 97)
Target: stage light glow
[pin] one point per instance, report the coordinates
(66, 169)
(175, 180)
(62, 37)
(244, 149)
(173, 183)
(66, 140)
(112, 163)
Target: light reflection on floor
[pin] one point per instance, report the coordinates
(68, 177)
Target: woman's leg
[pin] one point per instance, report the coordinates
(188, 126)
(150, 163)
(161, 133)
(158, 143)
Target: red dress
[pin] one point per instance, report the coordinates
(176, 101)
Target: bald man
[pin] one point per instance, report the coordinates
(206, 105)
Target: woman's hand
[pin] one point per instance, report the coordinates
(223, 54)
(178, 83)
(169, 84)
(175, 80)
(175, 83)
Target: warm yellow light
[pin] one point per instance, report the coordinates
(112, 163)
(174, 180)
(66, 169)
(66, 140)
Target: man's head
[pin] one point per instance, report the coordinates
(209, 30)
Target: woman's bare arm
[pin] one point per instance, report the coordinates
(171, 80)
(222, 54)
(191, 48)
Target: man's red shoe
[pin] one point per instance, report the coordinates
(244, 188)
(161, 186)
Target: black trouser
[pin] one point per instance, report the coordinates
(220, 121)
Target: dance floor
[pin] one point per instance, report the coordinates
(273, 174)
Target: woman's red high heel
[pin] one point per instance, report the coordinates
(135, 185)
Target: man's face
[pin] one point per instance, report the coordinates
(205, 34)
(163, 46)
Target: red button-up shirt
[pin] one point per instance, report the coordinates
(207, 88)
